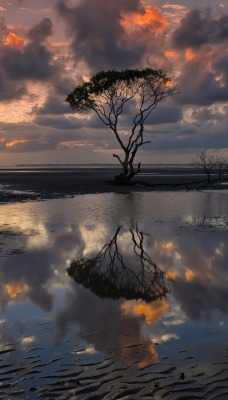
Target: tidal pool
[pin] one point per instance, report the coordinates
(83, 338)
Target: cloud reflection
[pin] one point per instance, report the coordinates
(176, 240)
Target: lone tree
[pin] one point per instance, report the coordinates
(108, 93)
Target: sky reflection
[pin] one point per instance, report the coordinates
(185, 234)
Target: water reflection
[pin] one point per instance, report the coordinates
(117, 273)
(185, 235)
(36, 247)
(108, 326)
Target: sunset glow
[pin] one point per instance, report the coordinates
(13, 40)
(190, 274)
(48, 50)
(173, 55)
(15, 142)
(190, 54)
(152, 19)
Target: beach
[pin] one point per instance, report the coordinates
(149, 317)
(33, 183)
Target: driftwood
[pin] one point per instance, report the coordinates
(188, 185)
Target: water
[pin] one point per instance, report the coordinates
(59, 339)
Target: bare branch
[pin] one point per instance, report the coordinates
(108, 94)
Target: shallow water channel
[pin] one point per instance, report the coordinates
(150, 322)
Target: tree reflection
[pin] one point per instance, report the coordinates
(108, 274)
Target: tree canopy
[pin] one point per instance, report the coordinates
(107, 94)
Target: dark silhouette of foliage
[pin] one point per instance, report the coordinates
(108, 274)
(213, 166)
(109, 92)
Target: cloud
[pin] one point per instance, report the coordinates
(10, 90)
(202, 38)
(40, 65)
(34, 62)
(203, 79)
(3, 31)
(54, 106)
(152, 18)
(198, 28)
(13, 40)
(22, 62)
(41, 31)
(58, 122)
(165, 114)
(100, 38)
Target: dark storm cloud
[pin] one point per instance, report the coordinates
(98, 38)
(33, 63)
(164, 114)
(187, 137)
(221, 67)
(203, 77)
(64, 85)
(41, 31)
(10, 90)
(53, 105)
(203, 85)
(198, 28)
(59, 122)
(3, 30)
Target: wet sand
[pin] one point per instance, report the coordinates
(34, 373)
(40, 184)
(180, 378)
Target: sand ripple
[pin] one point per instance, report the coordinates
(108, 378)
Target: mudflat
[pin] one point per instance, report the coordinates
(46, 183)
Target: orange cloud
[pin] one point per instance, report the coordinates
(13, 40)
(189, 274)
(205, 55)
(151, 312)
(173, 55)
(190, 54)
(16, 141)
(174, 6)
(152, 18)
(13, 289)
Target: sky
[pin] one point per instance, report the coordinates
(49, 47)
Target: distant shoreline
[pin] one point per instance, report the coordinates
(92, 165)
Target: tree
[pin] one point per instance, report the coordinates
(213, 167)
(108, 93)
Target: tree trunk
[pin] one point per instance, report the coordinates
(128, 173)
